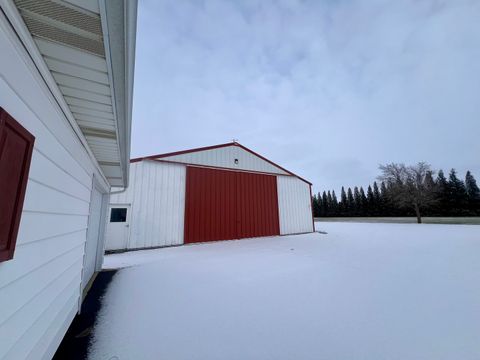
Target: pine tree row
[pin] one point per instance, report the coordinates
(453, 197)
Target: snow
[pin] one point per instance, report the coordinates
(362, 291)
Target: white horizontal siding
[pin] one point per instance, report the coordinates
(27, 324)
(225, 157)
(54, 225)
(294, 205)
(40, 286)
(157, 197)
(45, 171)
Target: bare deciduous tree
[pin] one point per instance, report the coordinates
(409, 186)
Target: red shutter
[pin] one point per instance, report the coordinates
(224, 205)
(16, 146)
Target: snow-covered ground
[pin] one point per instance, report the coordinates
(362, 291)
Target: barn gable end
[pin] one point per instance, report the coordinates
(230, 157)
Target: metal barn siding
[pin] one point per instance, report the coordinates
(156, 195)
(224, 157)
(224, 205)
(295, 206)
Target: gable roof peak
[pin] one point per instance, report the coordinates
(234, 142)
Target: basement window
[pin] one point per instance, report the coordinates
(16, 146)
(118, 215)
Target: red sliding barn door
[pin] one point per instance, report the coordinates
(224, 205)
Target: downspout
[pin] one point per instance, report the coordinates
(118, 192)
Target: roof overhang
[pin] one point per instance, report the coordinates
(88, 47)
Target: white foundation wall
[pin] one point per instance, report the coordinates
(40, 288)
(224, 157)
(156, 195)
(294, 205)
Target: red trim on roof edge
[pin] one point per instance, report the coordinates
(153, 157)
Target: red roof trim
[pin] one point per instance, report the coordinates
(159, 156)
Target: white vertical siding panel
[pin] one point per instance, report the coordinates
(157, 197)
(168, 217)
(178, 228)
(225, 157)
(164, 206)
(144, 205)
(153, 206)
(138, 211)
(136, 221)
(294, 205)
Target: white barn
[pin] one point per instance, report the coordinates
(218, 192)
(66, 80)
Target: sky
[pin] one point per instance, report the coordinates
(327, 89)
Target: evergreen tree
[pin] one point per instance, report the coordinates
(350, 203)
(320, 205)
(334, 204)
(443, 195)
(343, 202)
(431, 187)
(357, 207)
(314, 203)
(330, 203)
(429, 182)
(376, 200)
(370, 202)
(384, 201)
(458, 194)
(325, 208)
(473, 194)
(315, 206)
(363, 203)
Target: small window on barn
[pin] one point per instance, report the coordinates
(118, 215)
(16, 146)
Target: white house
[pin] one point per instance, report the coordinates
(66, 79)
(218, 192)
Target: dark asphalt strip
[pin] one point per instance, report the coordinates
(74, 345)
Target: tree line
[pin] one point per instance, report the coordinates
(404, 191)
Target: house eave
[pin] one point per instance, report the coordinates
(119, 28)
(88, 66)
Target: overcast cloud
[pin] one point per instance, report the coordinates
(328, 89)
